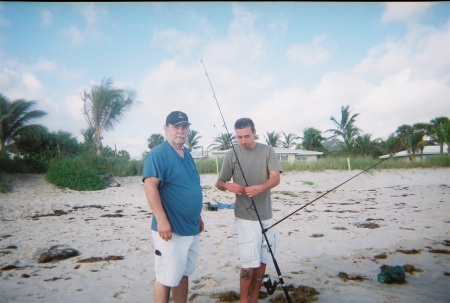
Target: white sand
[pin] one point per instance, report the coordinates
(411, 207)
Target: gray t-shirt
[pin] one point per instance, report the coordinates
(256, 163)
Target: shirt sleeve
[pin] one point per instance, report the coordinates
(226, 171)
(154, 167)
(273, 163)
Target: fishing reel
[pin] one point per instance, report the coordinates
(267, 282)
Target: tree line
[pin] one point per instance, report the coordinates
(104, 105)
(352, 140)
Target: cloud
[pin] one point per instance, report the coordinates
(17, 84)
(279, 26)
(22, 80)
(76, 35)
(3, 21)
(243, 47)
(402, 98)
(311, 54)
(44, 65)
(407, 12)
(173, 40)
(406, 80)
(422, 47)
(401, 80)
(46, 18)
(90, 31)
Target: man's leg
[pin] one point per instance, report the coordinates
(246, 278)
(180, 292)
(256, 282)
(160, 293)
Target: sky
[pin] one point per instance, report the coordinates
(286, 65)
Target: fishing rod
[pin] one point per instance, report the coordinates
(327, 192)
(267, 283)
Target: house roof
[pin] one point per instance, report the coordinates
(428, 150)
(333, 145)
(198, 153)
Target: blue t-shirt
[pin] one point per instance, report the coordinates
(179, 188)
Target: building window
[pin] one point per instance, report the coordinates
(300, 158)
(283, 158)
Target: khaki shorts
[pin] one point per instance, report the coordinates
(253, 249)
(175, 258)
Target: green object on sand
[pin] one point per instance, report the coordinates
(392, 274)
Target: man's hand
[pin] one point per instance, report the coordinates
(202, 225)
(253, 191)
(165, 230)
(234, 188)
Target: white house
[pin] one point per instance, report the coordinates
(283, 154)
(199, 154)
(428, 151)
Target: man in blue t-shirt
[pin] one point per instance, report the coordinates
(173, 191)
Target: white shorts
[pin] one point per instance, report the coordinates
(253, 249)
(175, 258)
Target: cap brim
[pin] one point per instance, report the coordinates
(182, 122)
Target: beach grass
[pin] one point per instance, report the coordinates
(207, 166)
(121, 167)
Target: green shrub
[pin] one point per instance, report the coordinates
(135, 167)
(439, 161)
(112, 165)
(76, 174)
(208, 166)
(5, 183)
(6, 164)
(35, 166)
(363, 163)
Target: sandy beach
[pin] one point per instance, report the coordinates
(335, 245)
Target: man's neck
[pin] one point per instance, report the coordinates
(178, 148)
(250, 147)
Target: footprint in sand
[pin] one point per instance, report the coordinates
(204, 282)
(121, 294)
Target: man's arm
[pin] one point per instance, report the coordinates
(154, 201)
(231, 187)
(273, 181)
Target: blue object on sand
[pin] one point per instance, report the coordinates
(215, 207)
(392, 274)
(225, 206)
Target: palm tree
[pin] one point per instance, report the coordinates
(346, 127)
(289, 140)
(124, 154)
(436, 131)
(403, 132)
(155, 140)
(104, 106)
(425, 129)
(89, 139)
(411, 138)
(14, 119)
(364, 145)
(223, 142)
(446, 135)
(312, 139)
(391, 146)
(272, 139)
(192, 140)
(420, 126)
(415, 143)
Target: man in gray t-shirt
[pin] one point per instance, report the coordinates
(259, 171)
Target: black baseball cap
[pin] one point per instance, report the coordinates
(177, 117)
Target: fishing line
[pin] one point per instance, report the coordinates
(327, 192)
(280, 277)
